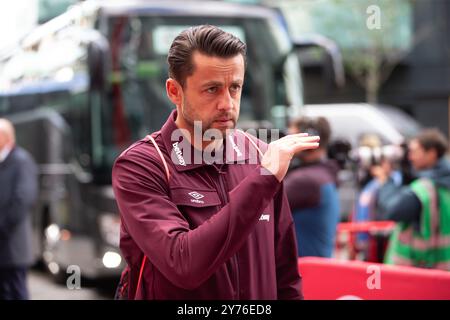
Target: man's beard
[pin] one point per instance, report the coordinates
(191, 118)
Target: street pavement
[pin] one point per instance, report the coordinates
(42, 286)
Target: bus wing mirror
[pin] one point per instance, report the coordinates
(331, 61)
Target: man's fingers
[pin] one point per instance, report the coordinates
(293, 136)
(306, 139)
(298, 137)
(305, 146)
(309, 139)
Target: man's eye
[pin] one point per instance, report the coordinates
(211, 90)
(235, 88)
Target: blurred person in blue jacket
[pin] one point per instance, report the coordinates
(311, 189)
(379, 162)
(18, 192)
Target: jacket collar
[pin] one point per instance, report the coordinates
(185, 157)
(4, 153)
(9, 157)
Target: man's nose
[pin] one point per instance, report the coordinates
(226, 101)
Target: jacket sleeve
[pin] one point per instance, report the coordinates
(186, 257)
(401, 206)
(23, 195)
(289, 281)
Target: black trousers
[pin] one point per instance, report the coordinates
(13, 283)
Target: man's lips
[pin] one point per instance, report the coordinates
(223, 120)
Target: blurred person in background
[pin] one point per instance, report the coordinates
(422, 209)
(311, 189)
(379, 166)
(18, 192)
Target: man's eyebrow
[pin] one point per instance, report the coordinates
(219, 84)
(212, 84)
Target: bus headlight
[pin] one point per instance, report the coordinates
(111, 259)
(52, 234)
(109, 225)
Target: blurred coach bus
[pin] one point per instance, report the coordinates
(85, 85)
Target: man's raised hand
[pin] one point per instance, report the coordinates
(280, 152)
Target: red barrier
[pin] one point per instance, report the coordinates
(372, 227)
(346, 239)
(331, 279)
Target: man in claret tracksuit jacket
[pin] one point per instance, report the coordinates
(219, 229)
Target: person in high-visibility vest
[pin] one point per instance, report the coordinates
(422, 210)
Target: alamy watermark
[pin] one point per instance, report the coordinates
(373, 21)
(238, 144)
(73, 281)
(374, 280)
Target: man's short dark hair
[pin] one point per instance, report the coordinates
(315, 126)
(206, 39)
(433, 139)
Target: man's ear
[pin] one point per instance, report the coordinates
(174, 91)
(432, 155)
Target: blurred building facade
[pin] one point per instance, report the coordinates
(420, 81)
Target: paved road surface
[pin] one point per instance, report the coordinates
(42, 287)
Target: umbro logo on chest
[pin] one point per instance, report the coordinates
(196, 197)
